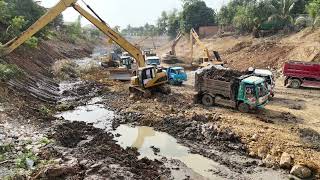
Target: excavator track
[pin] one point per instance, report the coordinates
(147, 93)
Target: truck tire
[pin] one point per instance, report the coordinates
(243, 107)
(295, 83)
(207, 100)
(171, 81)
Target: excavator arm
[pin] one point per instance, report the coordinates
(175, 42)
(194, 35)
(99, 23)
(38, 25)
(122, 42)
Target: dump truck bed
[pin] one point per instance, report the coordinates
(227, 89)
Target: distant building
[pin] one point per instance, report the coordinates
(205, 31)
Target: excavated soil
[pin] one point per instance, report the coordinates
(98, 149)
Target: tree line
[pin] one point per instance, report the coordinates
(245, 16)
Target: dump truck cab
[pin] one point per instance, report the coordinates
(176, 75)
(126, 61)
(268, 76)
(253, 92)
(153, 61)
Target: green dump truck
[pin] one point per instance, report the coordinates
(221, 86)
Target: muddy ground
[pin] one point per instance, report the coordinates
(36, 144)
(289, 123)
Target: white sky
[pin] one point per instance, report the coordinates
(124, 12)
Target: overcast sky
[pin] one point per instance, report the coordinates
(133, 12)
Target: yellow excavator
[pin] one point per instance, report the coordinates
(171, 56)
(146, 80)
(207, 59)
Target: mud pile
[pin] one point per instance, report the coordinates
(201, 131)
(100, 156)
(220, 74)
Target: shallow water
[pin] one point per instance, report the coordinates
(144, 138)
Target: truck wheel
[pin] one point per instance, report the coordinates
(244, 108)
(171, 81)
(207, 100)
(295, 83)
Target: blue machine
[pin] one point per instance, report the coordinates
(176, 75)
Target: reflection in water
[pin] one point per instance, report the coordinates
(145, 137)
(92, 113)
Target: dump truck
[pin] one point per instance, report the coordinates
(298, 73)
(216, 85)
(176, 75)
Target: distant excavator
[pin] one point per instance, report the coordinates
(207, 59)
(146, 80)
(171, 56)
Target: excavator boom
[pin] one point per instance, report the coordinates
(147, 77)
(38, 25)
(193, 34)
(122, 42)
(57, 10)
(175, 42)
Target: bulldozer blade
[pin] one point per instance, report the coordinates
(120, 74)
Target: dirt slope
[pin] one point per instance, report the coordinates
(37, 63)
(245, 51)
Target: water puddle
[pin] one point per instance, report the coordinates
(93, 112)
(156, 145)
(146, 139)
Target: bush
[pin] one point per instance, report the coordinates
(32, 42)
(9, 71)
(66, 69)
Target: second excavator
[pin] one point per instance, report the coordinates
(146, 79)
(207, 59)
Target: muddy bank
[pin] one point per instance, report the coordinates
(96, 155)
(37, 62)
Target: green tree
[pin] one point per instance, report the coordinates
(283, 12)
(162, 23)
(313, 9)
(244, 18)
(173, 23)
(195, 14)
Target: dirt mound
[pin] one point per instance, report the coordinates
(239, 46)
(189, 129)
(98, 149)
(220, 74)
(70, 134)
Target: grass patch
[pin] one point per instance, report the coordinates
(66, 69)
(9, 71)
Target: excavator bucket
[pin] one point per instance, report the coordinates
(121, 74)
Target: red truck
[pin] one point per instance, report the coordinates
(299, 74)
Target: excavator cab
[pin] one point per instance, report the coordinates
(149, 79)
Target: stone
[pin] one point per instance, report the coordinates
(269, 161)
(286, 161)
(301, 171)
(254, 137)
(262, 152)
(30, 163)
(252, 154)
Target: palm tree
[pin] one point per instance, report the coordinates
(282, 9)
